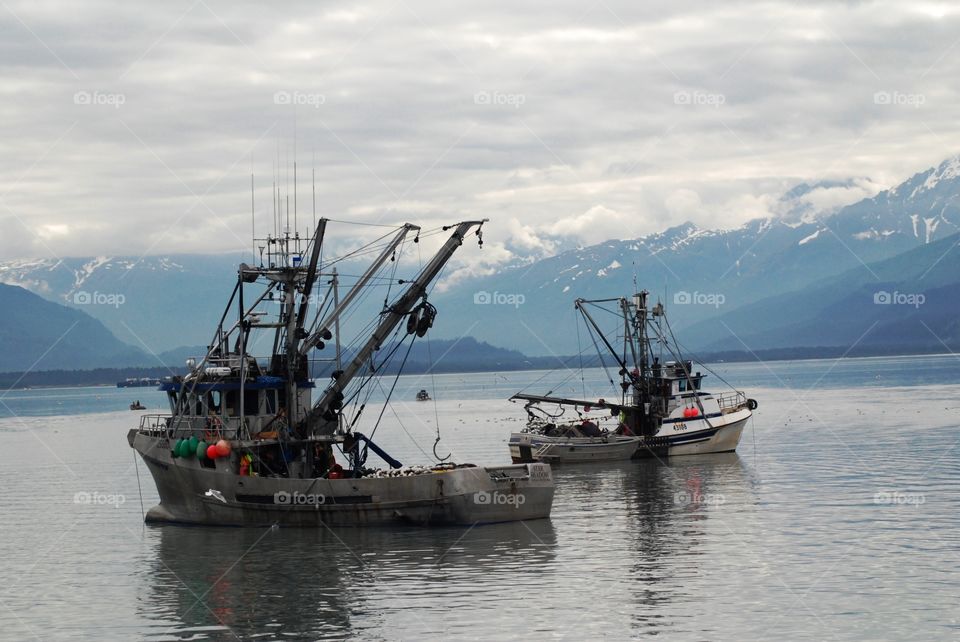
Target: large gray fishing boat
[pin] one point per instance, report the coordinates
(245, 443)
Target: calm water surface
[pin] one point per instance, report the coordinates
(839, 518)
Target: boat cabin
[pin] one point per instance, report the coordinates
(263, 402)
(672, 380)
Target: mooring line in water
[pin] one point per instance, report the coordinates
(139, 489)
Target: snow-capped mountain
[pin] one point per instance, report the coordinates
(154, 303)
(701, 273)
(171, 301)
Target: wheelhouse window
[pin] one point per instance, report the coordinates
(251, 402)
(213, 399)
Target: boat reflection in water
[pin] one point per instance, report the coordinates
(224, 583)
(645, 533)
(632, 548)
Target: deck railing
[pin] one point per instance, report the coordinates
(731, 401)
(186, 425)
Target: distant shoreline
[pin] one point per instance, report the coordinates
(108, 377)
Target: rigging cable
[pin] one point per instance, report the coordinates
(603, 363)
(433, 381)
(583, 382)
(386, 402)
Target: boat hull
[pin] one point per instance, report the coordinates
(718, 434)
(528, 447)
(699, 437)
(192, 494)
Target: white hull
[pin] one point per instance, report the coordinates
(703, 437)
(716, 434)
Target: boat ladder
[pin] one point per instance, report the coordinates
(543, 451)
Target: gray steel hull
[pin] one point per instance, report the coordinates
(192, 494)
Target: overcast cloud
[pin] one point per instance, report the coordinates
(133, 128)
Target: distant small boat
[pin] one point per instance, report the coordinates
(142, 382)
(423, 395)
(136, 405)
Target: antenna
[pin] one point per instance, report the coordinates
(314, 182)
(295, 172)
(277, 209)
(253, 227)
(286, 228)
(295, 230)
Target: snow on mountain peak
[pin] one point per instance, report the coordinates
(947, 170)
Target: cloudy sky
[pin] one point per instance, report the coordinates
(133, 128)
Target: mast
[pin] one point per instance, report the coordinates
(333, 395)
(295, 320)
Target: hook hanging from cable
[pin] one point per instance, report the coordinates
(435, 444)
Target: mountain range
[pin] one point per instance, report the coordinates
(40, 335)
(807, 277)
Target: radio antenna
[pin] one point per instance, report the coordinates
(253, 226)
(295, 229)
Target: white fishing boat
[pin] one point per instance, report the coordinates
(662, 409)
(245, 444)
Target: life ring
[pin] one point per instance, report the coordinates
(213, 428)
(752, 404)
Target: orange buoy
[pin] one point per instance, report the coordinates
(223, 448)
